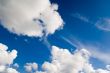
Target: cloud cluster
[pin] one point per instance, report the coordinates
(33, 18)
(6, 59)
(62, 61)
(65, 62)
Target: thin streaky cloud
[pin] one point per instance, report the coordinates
(46, 42)
(82, 18)
(95, 51)
(103, 24)
(72, 41)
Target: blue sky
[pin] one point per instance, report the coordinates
(80, 28)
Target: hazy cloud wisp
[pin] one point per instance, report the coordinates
(103, 24)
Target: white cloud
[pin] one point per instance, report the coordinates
(29, 67)
(102, 56)
(16, 65)
(34, 18)
(72, 41)
(65, 62)
(103, 24)
(95, 50)
(108, 67)
(10, 70)
(6, 59)
(2, 68)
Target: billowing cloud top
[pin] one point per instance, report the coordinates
(34, 18)
(6, 59)
(64, 61)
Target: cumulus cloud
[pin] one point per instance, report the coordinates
(29, 67)
(6, 59)
(33, 18)
(64, 61)
(103, 24)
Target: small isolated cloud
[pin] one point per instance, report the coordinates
(103, 24)
(29, 67)
(33, 18)
(65, 62)
(6, 59)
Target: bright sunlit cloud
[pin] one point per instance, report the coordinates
(33, 18)
(65, 62)
(6, 59)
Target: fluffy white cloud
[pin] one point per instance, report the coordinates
(34, 18)
(29, 67)
(6, 59)
(65, 62)
(10, 70)
(62, 61)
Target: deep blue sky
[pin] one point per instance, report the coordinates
(33, 50)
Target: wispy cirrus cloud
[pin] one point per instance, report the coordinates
(72, 41)
(94, 49)
(81, 17)
(103, 24)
